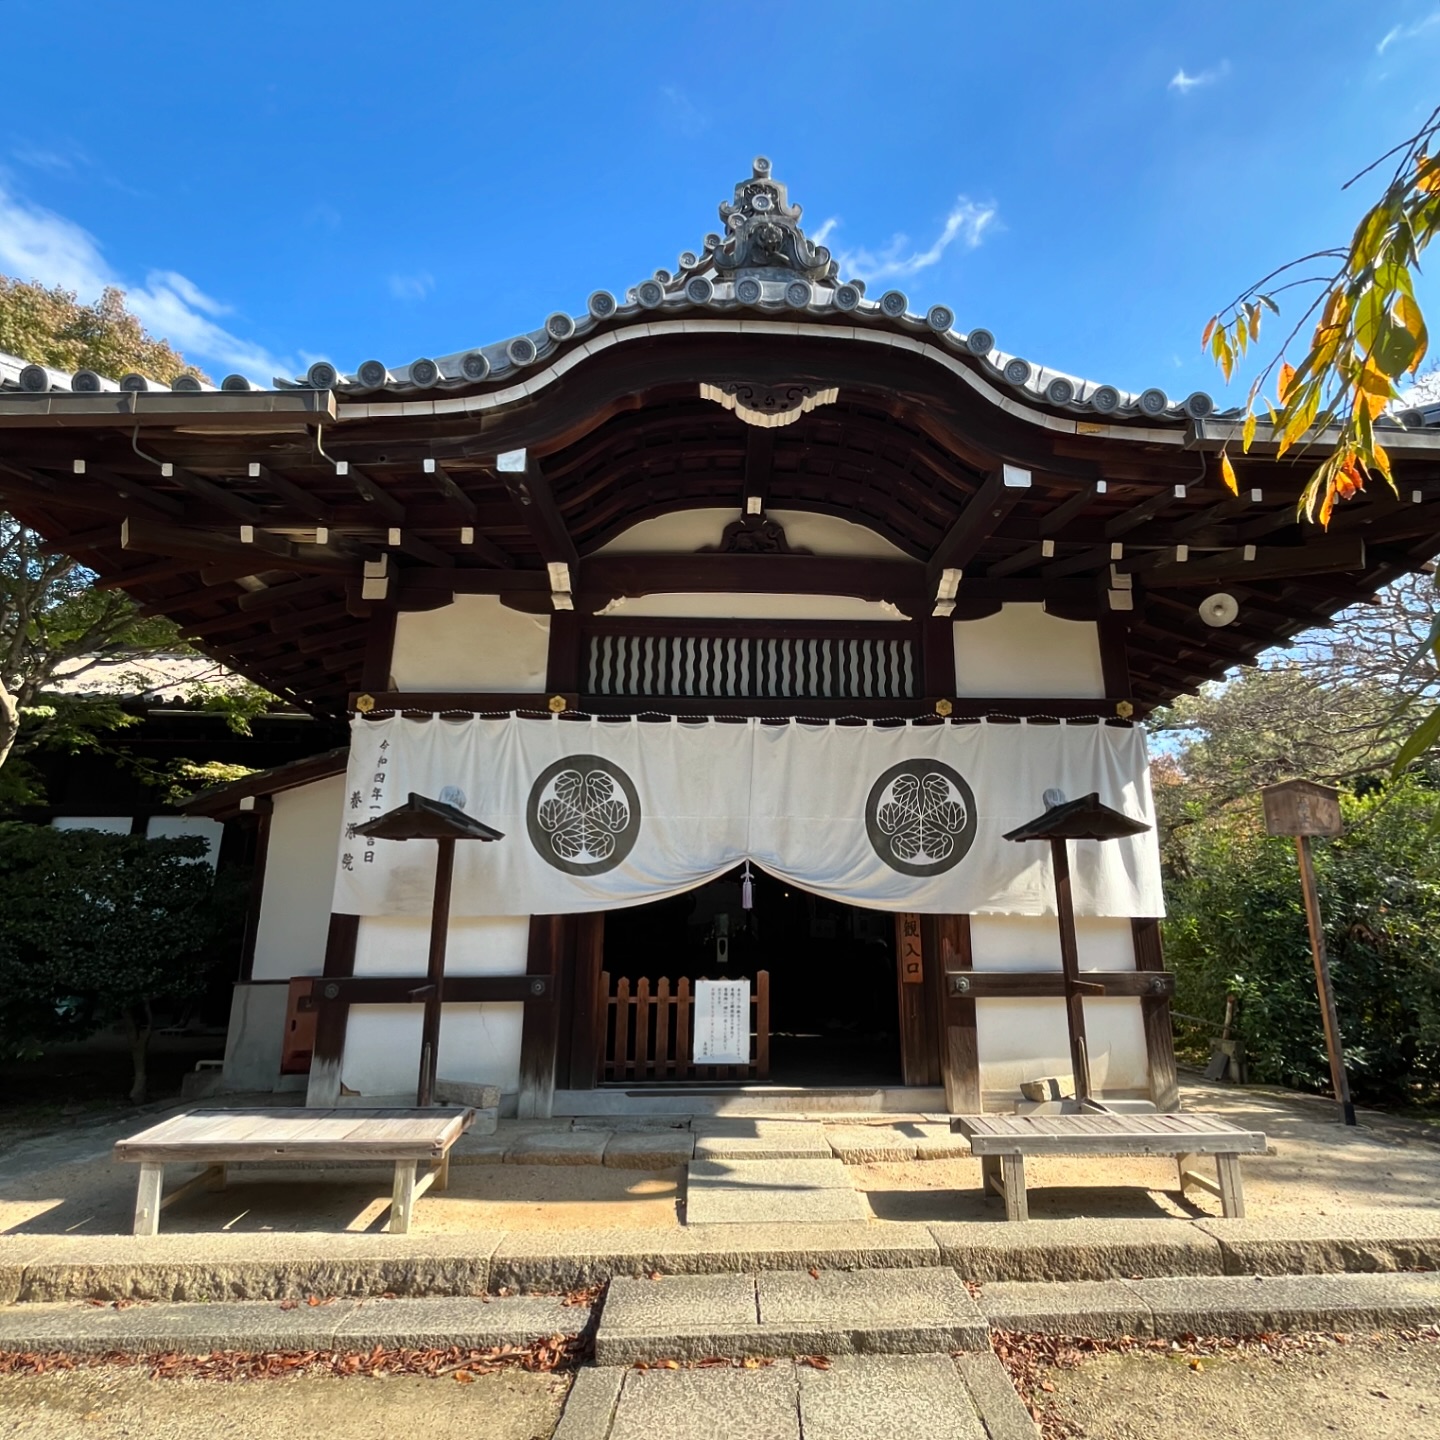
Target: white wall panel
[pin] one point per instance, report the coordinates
(1022, 652)
(299, 880)
(474, 643)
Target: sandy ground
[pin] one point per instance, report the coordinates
(108, 1404)
(1385, 1389)
(1317, 1167)
(65, 1182)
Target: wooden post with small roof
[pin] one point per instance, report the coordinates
(1302, 808)
(421, 818)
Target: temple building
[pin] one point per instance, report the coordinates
(754, 612)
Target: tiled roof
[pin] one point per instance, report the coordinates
(762, 265)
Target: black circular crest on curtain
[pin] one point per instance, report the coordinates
(583, 815)
(920, 817)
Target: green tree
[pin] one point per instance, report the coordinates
(1367, 331)
(99, 929)
(52, 619)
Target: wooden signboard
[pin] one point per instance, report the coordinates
(1301, 807)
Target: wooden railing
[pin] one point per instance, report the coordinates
(649, 1032)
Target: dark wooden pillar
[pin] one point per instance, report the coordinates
(379, 650)
(957, 1041)
(1155, 1010)
(540, 1034)
(1114, 633)
(562, 670)
(259, 853)
(584, 1001)
(939, 656)
(331, 1023)
(919, 1054)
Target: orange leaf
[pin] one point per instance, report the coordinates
(1227, 474)
(1209, 331)
(1287, 374)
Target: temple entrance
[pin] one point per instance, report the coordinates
(828, 971)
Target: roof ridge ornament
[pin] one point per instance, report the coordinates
(762, 232)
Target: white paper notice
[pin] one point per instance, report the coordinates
(722, 1022)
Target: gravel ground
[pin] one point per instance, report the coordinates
(108, 1404)
(1375, 1389)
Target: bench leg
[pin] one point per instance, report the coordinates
(1017, 1205)
(147, 1199)
(442, 1172)
(1232, 1188)
(402, 1197)
(990, 1182)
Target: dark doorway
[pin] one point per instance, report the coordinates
(833, 1003)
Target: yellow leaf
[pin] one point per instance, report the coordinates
(1410, 316)
(1227, 360)
(1247, 437)
(1381, 458)
(1287, 374)
(1227, 470)
(1254, 313)
(1427, 174)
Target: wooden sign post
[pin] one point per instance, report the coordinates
(1302, 809)
(421, 818)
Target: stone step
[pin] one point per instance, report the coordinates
(257, 1325)
(787, 1312)
(1214, 1304)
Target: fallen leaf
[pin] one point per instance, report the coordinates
(669, 1364)
(289, 1304)
(814, 1273)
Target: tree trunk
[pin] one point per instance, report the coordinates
(139, 1026)
(9, 722)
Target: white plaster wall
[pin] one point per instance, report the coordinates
(478, 1043)
(1023, 1039)
(474, 643)
(1024, 652)
(683, 531)
(300, 865)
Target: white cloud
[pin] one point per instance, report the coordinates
(1407, 32)
(1183, 82)
(37, 244)
(967, 222)
(411, 287)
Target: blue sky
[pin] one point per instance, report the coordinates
(276, 183)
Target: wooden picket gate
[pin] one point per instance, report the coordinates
(648, 1033)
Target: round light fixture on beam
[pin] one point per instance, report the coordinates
(1219, 609)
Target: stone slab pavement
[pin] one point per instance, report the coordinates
(739, 1138)
(788, 1191)
(902, 1397)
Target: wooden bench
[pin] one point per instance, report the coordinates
(217, 1138)
(1003, 1141)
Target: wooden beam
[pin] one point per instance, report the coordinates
(154, 538)
(244, 510)
(373, 493)
(142, 574)
(1061, 516)
(759, 462)
(137, 492)
(1251, 562)
(1137, 515)
(293, 494)
(470, 537)
(982, 515)
(531, 495)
